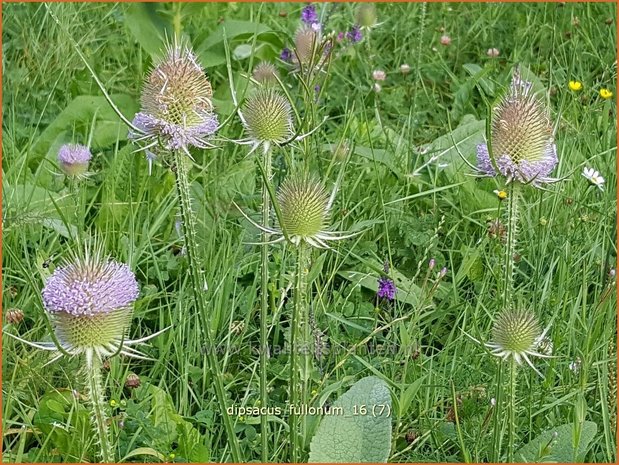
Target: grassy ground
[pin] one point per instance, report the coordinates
(409, 211)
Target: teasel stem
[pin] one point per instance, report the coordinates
(264, 303)
(513, 216)
(498, 417)
(511, 431)
(299, 329)
(94, 390)
(198, 282)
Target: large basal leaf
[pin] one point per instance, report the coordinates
(80, 113)
(26, 204)
(558, 445)
(407, 291)
(360, 431)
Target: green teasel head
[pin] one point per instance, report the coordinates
(266, 74)
(304, 207)
(366, 15)
(268, 116)
(517, 334)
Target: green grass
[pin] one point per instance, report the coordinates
(566, 241)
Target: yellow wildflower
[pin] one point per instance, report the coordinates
(606, 94)
(575, 85)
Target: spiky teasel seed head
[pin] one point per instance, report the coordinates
(366, 15)
(516, 331)
(74, 160)
(309, 48)
(303, 202)
(523, 146)
(516, 334)
(268, 117)
(265, 73)
(177, 109)
(90, 302)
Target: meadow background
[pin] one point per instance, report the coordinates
(404, 185)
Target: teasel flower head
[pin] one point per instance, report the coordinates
(303, 206)
(89, 301)
(366, 15)
(309, 49)
(517, 334)
(303, 202)
(74, 160)
(523, 147)
(265, 74)
(268, 117)
(177, 110)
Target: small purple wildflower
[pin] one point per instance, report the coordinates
(443, 272)
(308, 15)
(286, 54)
(386, 288)
(340, 36)
(90, 287)
(432, 263)
(355, 35)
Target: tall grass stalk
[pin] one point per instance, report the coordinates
(198, 283)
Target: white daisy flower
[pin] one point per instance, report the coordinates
(594, 177)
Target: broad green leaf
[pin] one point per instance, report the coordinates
(64, 421)
(407, 291)
(147, 26)
(233, 29)
(479, 75)
(80, 113)
(558, 445)
(144, 451)
(360, 431)
(381, 156)
(25, 204)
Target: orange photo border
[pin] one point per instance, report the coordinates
(315, 1)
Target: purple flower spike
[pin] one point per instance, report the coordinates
(386, 288)
(308, 15)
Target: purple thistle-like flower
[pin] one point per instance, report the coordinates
(386, 288)
(90, 287)
(523, 146)
(286, 54)
(355, 35)
(74, 159)
(177, 110)
(308, 15)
